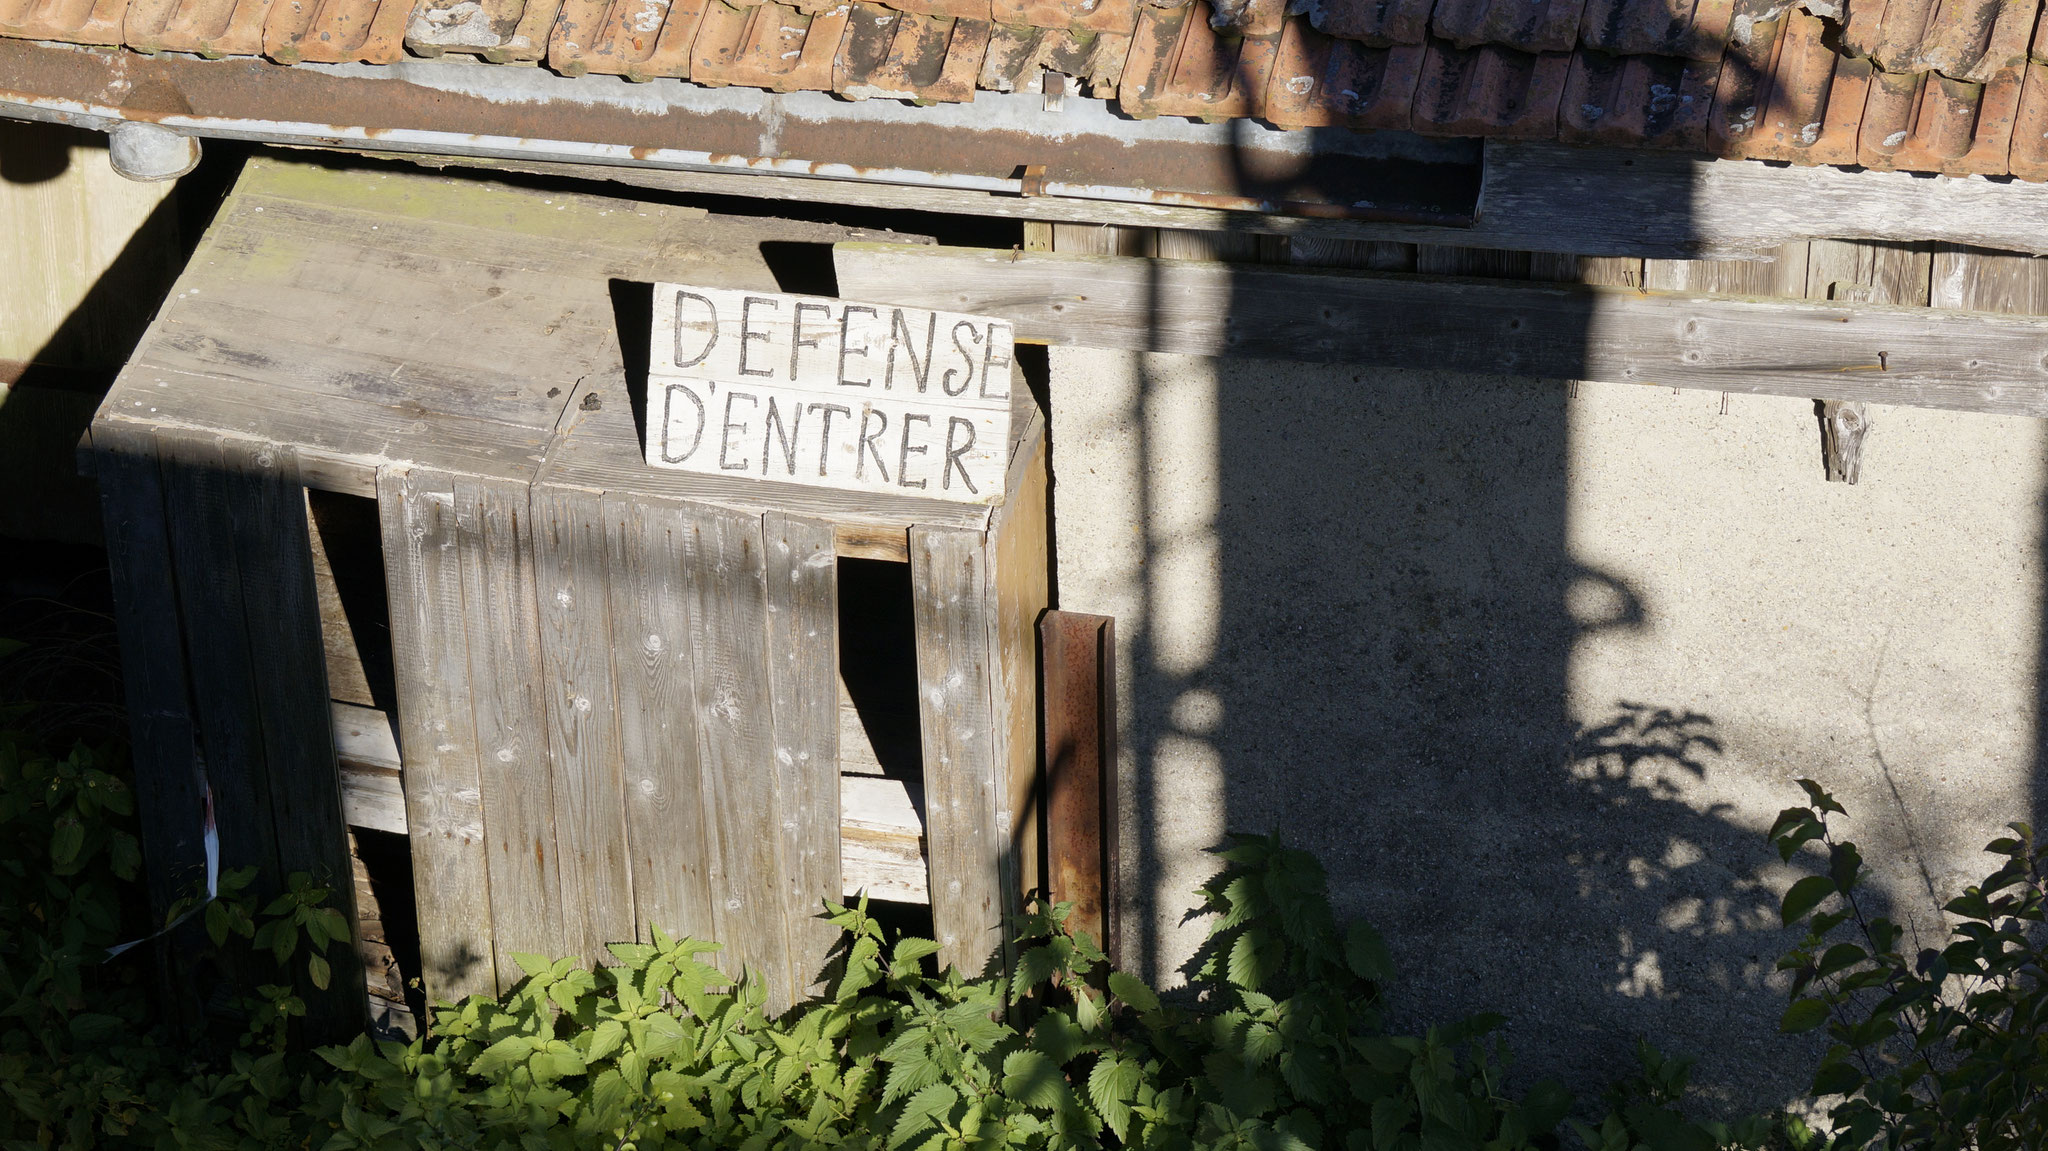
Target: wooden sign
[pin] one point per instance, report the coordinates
(829, 393)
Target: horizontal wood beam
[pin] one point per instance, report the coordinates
(1963, 361)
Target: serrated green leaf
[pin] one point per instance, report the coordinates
(1057, 1037)
(1132, 990)
(1032, 1079)
(1111, 1085)
(924, 1109)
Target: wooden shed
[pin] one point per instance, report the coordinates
(618, 699)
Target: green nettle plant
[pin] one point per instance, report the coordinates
(1944, 1049)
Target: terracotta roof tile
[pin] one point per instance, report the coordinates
(1531, 25)
(1953, 86)
(1489, 91)
(1651, 101)
(1377, 23)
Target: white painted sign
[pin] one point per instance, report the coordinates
(829, 393)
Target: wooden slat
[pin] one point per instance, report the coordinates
(1018, 588)
(372, 782)
(651, 626)
(169, 791)
(803, 687)
(1080, 767)
(1783, 273)
(964, 785)
(728, 602)
(288, 664)
(578, 701)
(1868, 272)
(1933, 358)
(881, 840)
(436, 731)
(1370, 255)
(495, 538)
(1976, 280)
(197, 498)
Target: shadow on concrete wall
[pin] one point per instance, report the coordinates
(1359, 633)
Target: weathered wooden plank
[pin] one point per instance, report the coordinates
(725, 555)
(289, 667)
(1371, 255)
(1981, 281)
(1783, 273)
(1019, 576)
(581, 710)
(651, 628)
(436, 731)
(965, 787)
(169, 788)
(1534, 197)
(803, 687)
(198, 495)
(881, 834)
(1870, 273)
(494, 530)
(881, 840)
(1932, 358)
(1492, 263)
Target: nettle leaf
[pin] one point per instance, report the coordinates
(1254, 957)
(1804, 896)
(1032, 1079)
(1366, 953)
(1132, 990)
(924, 1109)
(1057, 1037)
(1034, 967)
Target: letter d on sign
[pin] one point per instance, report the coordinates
(680, 420)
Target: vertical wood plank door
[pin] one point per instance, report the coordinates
(666, 827)
(581, 710)
(964, 841)
(288, 664)
(725, 558)
(170, 795)
(803, 681)
(444, 811)
(514, 774)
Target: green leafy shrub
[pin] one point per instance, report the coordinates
(1944, 1049)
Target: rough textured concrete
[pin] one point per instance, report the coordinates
(1532, 673)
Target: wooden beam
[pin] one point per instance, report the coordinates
(1812, 348)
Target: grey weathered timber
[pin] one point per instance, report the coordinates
(803, 684)
(664, 795)
(589, 769)
(1534, 197)
(964, 784)
(728, 603)
(1781, 273)
(495, 539)
(288, 665)
(1931, 358)
(1016, 592)
(1869, 273)
(169, 790)
(1980, 281)
(436, 731)
(197, 498)
(1843, 425)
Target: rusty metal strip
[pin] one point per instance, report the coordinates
(1079, 668)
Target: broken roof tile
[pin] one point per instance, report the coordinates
(1489, 91)
(1928, 122)
(2028, 157)
(1117, 16)
(1744, 88)
(211, 28)
(1249, 17)
(335, 31)
(501, 31)
(1180, 65)
(1812, 107)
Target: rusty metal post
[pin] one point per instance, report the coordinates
(1079, 669)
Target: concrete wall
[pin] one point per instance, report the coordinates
(1533, 672)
